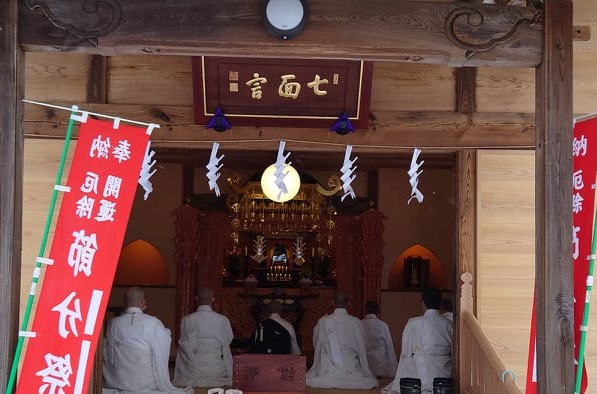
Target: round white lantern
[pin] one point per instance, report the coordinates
(292, 180)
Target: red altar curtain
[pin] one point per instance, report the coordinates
(215, 241)
(186, 240)
(202, 241)
(372, 229)
(346, 254)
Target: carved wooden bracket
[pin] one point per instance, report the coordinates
(97, 18)
(462, 35)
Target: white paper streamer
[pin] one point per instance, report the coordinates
(413, 175)
(213, 167)
(280, 174)
(146, 171)
(347, 174)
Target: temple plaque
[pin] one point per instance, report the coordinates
(282, 92)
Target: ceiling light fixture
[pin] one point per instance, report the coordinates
(292, 180)
(285, 19)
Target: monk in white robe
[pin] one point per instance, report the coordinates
(340, 359)
(447, 310)
(426, 346)
(136, 351)
(204, 358)
(378, 343)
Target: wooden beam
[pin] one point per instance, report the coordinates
(404, 31)
(11, 183)
(389, 132)
(96, 80)
(466, 89)
(581, 33)
(308, 161)
(553, 204)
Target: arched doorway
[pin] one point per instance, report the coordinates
(417, 267)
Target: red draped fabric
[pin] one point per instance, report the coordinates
(372, 229)
(214, 243)
(202, 239)
(186, 241)
(346, 254)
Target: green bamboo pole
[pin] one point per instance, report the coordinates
(42, 250)
(585, 316)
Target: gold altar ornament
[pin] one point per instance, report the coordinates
(310, 211)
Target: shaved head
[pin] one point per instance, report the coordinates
(372, 307)
(340, 299)
(275, 307)
(205, 296)
(134, 297)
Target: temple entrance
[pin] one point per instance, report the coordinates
(202, 248)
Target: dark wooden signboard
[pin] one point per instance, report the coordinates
(269, 373)
(282, 92)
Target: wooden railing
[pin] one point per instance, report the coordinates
(481, 369)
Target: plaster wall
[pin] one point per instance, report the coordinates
(430, 223)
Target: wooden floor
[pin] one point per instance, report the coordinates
(382, 383)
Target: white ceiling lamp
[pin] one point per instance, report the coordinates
(280, 182)
(285, 19)
(292, 183)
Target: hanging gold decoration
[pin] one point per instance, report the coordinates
(307, 212)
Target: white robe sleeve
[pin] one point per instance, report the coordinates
(227, 353)
(407, 367)
(391, 360)
(294, 347)
(362, 351)
(161, 354)
(340, 359)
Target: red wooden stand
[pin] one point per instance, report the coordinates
(269, 373)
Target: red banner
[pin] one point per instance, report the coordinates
(531, 386)
(584, 150)
(87, 242)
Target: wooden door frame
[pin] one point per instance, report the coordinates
(552, 145)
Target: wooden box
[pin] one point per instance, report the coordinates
(269, 373)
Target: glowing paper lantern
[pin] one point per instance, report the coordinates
(270, 188)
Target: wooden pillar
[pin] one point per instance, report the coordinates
(188, 182)
(11, 183)
(373, 188)
(466, 168)
(553, 203)
(466, 165)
